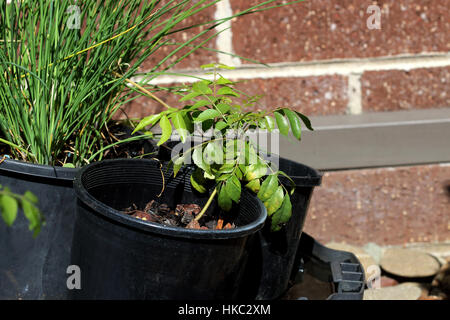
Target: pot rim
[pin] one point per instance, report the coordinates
(38, 170)
(110, 213)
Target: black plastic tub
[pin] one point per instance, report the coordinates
(36, 268)
(121, 257)
(326, 274)
(275, 258)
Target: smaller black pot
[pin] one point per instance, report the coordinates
(273, 264)
(121, 257)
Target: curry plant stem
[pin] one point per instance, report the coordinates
(208, 203)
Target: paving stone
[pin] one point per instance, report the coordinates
(409, 263)
(404, 291)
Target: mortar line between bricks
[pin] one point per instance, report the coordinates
(344, 67)
(354, 94)
(224, 41)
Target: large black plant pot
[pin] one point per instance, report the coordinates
(36, 268)
(121, 257)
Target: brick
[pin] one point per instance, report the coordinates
(310, 95)
(195, 59)
(400, 90)
(324, 29)
(386, 206)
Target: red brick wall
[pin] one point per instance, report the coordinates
(326, 60)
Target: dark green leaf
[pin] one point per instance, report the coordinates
(224, 200)
(305, 120)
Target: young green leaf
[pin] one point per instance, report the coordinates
(207, 114)
(202, 87)
(227, 91)
(282, 215)
(177, 164)
(255, 171)
(294, 120)
(254, 185)
(223, 107)
(221, 125)
(8, 208)
(213, 153)
(275, 201)
(270, 123)
(166, 128)
(201, 103)
(268, 187)
(180, 126)
(282, 123)
(190, 96)
(197, 157)
(147, 121)
(223, 81)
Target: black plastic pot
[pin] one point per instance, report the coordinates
(36, 268)
(121, 257)
(275, 258)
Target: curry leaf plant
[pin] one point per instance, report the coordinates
(66, 67)
(228, 160)
(11, 202)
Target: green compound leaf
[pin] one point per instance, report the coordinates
(282, 123)
(296, 125)
(275, 201)
(224, 199)
(268, 188)
(8, 208)
(198, 181)
(166, 128)
(282, 215)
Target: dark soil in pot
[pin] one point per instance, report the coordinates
(121, 257)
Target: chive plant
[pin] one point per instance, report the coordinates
(65, 68)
